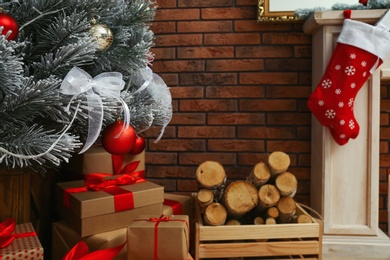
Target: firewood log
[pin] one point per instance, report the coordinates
(260, 174)
(204, 198)
(273, 212)
(232, 222)
(268, 196)
(278, 162)
(258, 221)
(215, 214)
(287, 184)
(303, 218)
(270, 221)
(287, 208)
(210, 174)
(240, 197)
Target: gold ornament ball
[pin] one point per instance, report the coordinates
(103, 34)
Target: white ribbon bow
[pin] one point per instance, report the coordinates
(106, 84)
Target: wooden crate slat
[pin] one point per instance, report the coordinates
(221, 233)
(259, 249)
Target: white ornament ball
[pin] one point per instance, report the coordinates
(103, 35)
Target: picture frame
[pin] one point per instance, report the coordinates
(283, 10)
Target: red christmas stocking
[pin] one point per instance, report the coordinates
(360, 49)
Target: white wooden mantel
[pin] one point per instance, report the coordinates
(345, 179)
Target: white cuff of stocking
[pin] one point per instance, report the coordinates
(375, 40)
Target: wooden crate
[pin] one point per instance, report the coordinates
(280, 241)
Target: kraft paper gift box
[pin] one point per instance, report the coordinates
(28, 247)
(178, 204)
(97, 160)
(158, 237)
(92, 212)
(64, 238)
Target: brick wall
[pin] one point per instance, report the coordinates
(239, 92)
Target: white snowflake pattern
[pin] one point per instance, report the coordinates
(352, 56)
(353, 85)
(338, 91)
(342, 122)
(330, 113)
(342, 136)
(364, 74)
(350, 102)
(351, 124)
(350, 70)
(337, 67)
(341, 104)
(364, 63)
(321, 103)
(326, 83)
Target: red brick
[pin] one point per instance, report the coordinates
(288, 92)
(208, 78)
(235, 65)
(267, 105)
(288, 64)
(247, 132)
(206, 132)
(208, 105)
(177, 14)
(163, 54)
(205, 52)
(268, 78)
(160, 158)
(231, 38)
(177, 145)
(286, 38)
(188, 119)
(165, 4)
(254, 26)
(179, 65)
(204, 3)
(204, 26)
(288, 118)
(187, 92)
(264, 52)
(187, 185)
(229, 13)
(234, 92)
(235, 118)
(236, 145)
(170, 79)
(171, 172)
(169, 185)
(163, 27)
(290, 146)
(246, 2)
(152, 133)
(198, 158)
(302, 51)
(178, 40)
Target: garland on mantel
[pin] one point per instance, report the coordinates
(362, 5)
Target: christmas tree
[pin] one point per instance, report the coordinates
(68, 68)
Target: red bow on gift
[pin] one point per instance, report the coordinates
(97, 182)
(363, 2)
(7, 227)
(80, 252)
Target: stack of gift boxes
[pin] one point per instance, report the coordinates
(107, 208)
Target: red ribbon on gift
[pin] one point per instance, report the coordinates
(123, 199)
(80, 252)
(7, 227)
(117, 162)
(175, 205)
(162, 218)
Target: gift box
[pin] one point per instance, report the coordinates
(26, 244)
(158, 237)
(64, 238)
(177, 204)
(115, 205)
(97, 160)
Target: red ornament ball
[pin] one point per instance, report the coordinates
(9, 24)
(115, 144)
(139, 145)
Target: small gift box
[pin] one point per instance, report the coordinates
(177, 204)
(114, 201)
(97, 160)
(64, 238)
(158, 237)
(19, 241)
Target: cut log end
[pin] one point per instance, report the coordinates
(287, 184)
(215, 215)
(260, 174)
(233, 222)
(210, 174)
(287, 208)
(268, 196)
(204, 197)
(240, 197)
(278, 162)
(303, 218)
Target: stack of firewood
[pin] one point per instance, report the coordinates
(266, 196)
